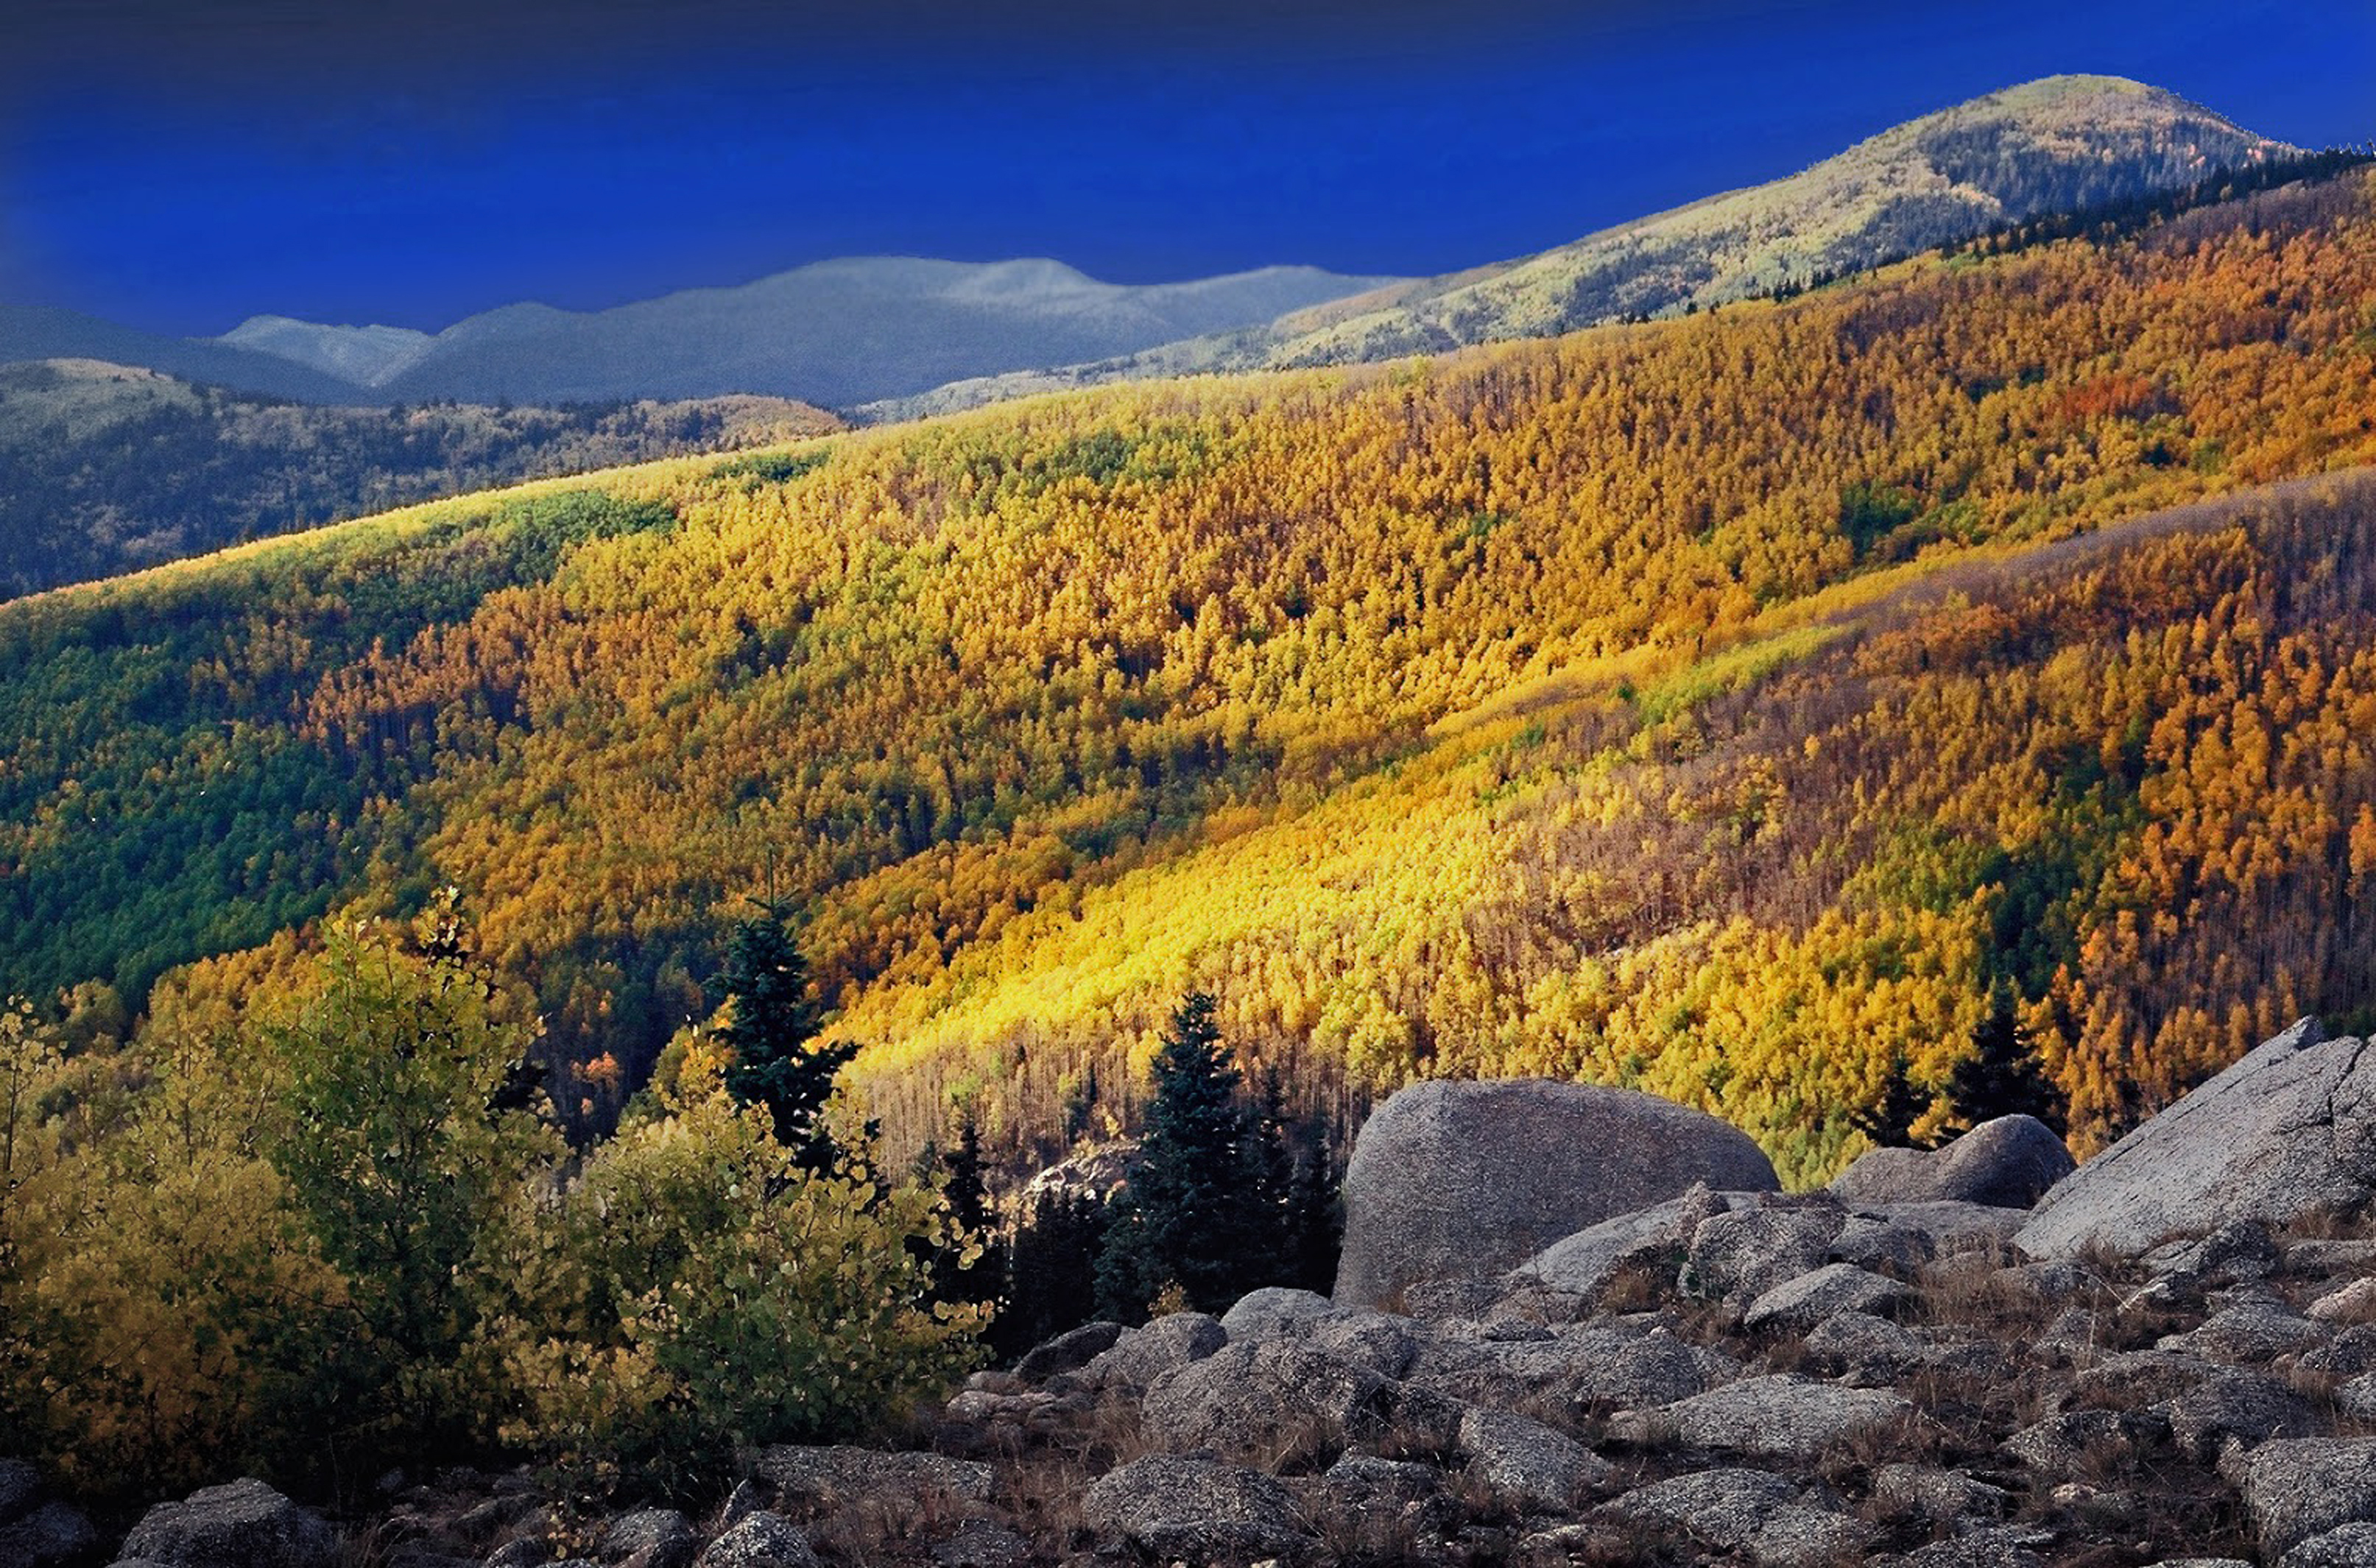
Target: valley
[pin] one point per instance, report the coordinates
(1725, 872)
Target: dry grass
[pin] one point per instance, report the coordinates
(881, 1529)
(1642, 1285)
(1608, 1541)
(2330, 1224)
(1912, 1438)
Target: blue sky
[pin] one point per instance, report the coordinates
(181, 166)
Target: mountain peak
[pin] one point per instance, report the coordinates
(365, 355)
(2057, 144)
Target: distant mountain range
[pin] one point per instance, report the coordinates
(2062, 144)
(900, 335)
(33, 332)
(837, 332)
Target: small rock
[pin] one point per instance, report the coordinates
(242, 1524)
(1367, 1482)
(1378, 1510)
(1746, 1253)
(652, 1537)
(1724, 1507)
(1196, 1510)
(527, 1552)
(1945, 1227)
(1782, 1417)
(981, 1544)
(2134, 1379)
(2075, 1338)
(1069, 1351)
(1996, 1547)
(816, 1479)
(1528, 1462)
(2348, 1546)
(20, 1489)
(2061, 1444)
(1835, 1288)
(1765, 1515)
(984, 1408)
(1384, 1343)
(2249, 1334)
(762, 1541)
(1274, 1309)
(2356, 1399)
(2300, 1488)
(748, 1497)
(48, 1534)
(1935, 1498)
(1423, 1420)
(1585, 1263)
(1267, 1394)
(1501, 1372)
(2354, 1303)
(415, 1556)
(1133, 1361)
(2312, 1259)
(1868, 1351)
(2239, 1406)
(2241, 1249)
(1809, 1537)
(2101, 1510)
(2351, 1352)
(1875, 1243)
(1617, 1371)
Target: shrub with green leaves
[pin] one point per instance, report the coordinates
(696, 1286)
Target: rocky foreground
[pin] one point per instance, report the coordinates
(2170, 1359)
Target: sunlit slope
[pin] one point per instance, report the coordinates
(941, 681)
(2115, 781)
(105, 468)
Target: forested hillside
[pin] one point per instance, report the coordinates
(1744, 706)
(106, 468)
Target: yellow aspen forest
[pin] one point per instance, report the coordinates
(1737, 706)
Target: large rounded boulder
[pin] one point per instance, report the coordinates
(2007, 1163)
(1450, 1180)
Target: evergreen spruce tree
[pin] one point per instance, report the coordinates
(1270, 1161)
(1890, 1124)
(1313, 1226)
(2002, 1076)
(1051, 1272)
(968, 1196)
(772, 1031)
(1189, 1215)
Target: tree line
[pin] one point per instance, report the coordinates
(341, 1229)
